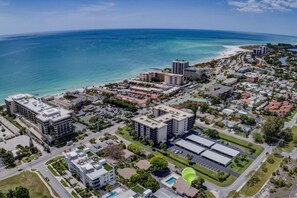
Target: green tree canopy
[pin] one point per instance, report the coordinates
(272, 128)
(158, 163)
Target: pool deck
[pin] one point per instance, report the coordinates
(168, 177)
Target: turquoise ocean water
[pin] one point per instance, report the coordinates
(49, 63)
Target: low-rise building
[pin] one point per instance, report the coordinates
(230, 81)
(281, 109)
(252, 77)
(92, 171)
(220, 91)
(194, 73)
(173, 79)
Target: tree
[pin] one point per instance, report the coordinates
(162, 146)
(212, 133)
(190, 157)
(272, 128)
(215, 101)
(10, 193)
(158, 163)
(203, 107)
(114, 151)
(258, 137)
(135, 149)
(7, 158)
(198, 183)
(21, 192)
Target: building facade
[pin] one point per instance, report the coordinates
(178, 66)
(167, 122)
(51, 122)
(92, 171)
(173, 79)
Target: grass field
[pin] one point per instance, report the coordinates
(26, 179)
(263, 176)
(241, 166)
(291, 145)
(138, 189)
(125, 134)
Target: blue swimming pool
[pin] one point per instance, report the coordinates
(112, 195)
(171, 181)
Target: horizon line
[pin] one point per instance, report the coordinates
(151, 28)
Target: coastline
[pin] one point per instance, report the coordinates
(229, 50)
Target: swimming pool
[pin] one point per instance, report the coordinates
(112, 195)
(171, 180)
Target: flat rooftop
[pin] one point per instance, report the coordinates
(152, 123)
(44, 111)
(201, 140)
(225, 149)
(190, 146)
(216, 157)
(179, 113)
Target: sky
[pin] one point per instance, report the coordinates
(263, 16)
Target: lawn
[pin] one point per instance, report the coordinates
(138, 189)
(26, 179)
(52, 170)
(107, 167)
(242, 143)
(241, 166)
(64, 183)
(74, 194)
(202, 172)
(125, 134)
(54, 159)
(291, 145)
(263, 177)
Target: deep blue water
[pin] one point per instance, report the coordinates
(51, 62)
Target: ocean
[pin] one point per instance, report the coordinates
(49, 63)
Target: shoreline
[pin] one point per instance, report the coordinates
(229, 50)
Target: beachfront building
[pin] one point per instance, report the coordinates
(260, 50)
(167, 122)
(178, 66)
(51, 122)
(173, 79)
(92, 171)
(152, 76)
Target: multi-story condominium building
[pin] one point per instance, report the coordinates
(178, 66)
(150, 129)
(178, 121)
(167, 122)
(194, 73)
(173, 79)
(152, 76)
(92, 171)
(260, 50)
(51, 122)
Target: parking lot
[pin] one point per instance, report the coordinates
(202, 161)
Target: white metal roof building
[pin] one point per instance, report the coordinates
(216, 157)
(200, 140)
(190, 146)
(225, 150)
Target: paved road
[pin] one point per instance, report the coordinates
(40, 166)
(291, 123)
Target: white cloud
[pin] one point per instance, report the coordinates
(259, 6)
(4, 3)
(97, 7)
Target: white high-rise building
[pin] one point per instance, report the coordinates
(92, 171)
(178, 66)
